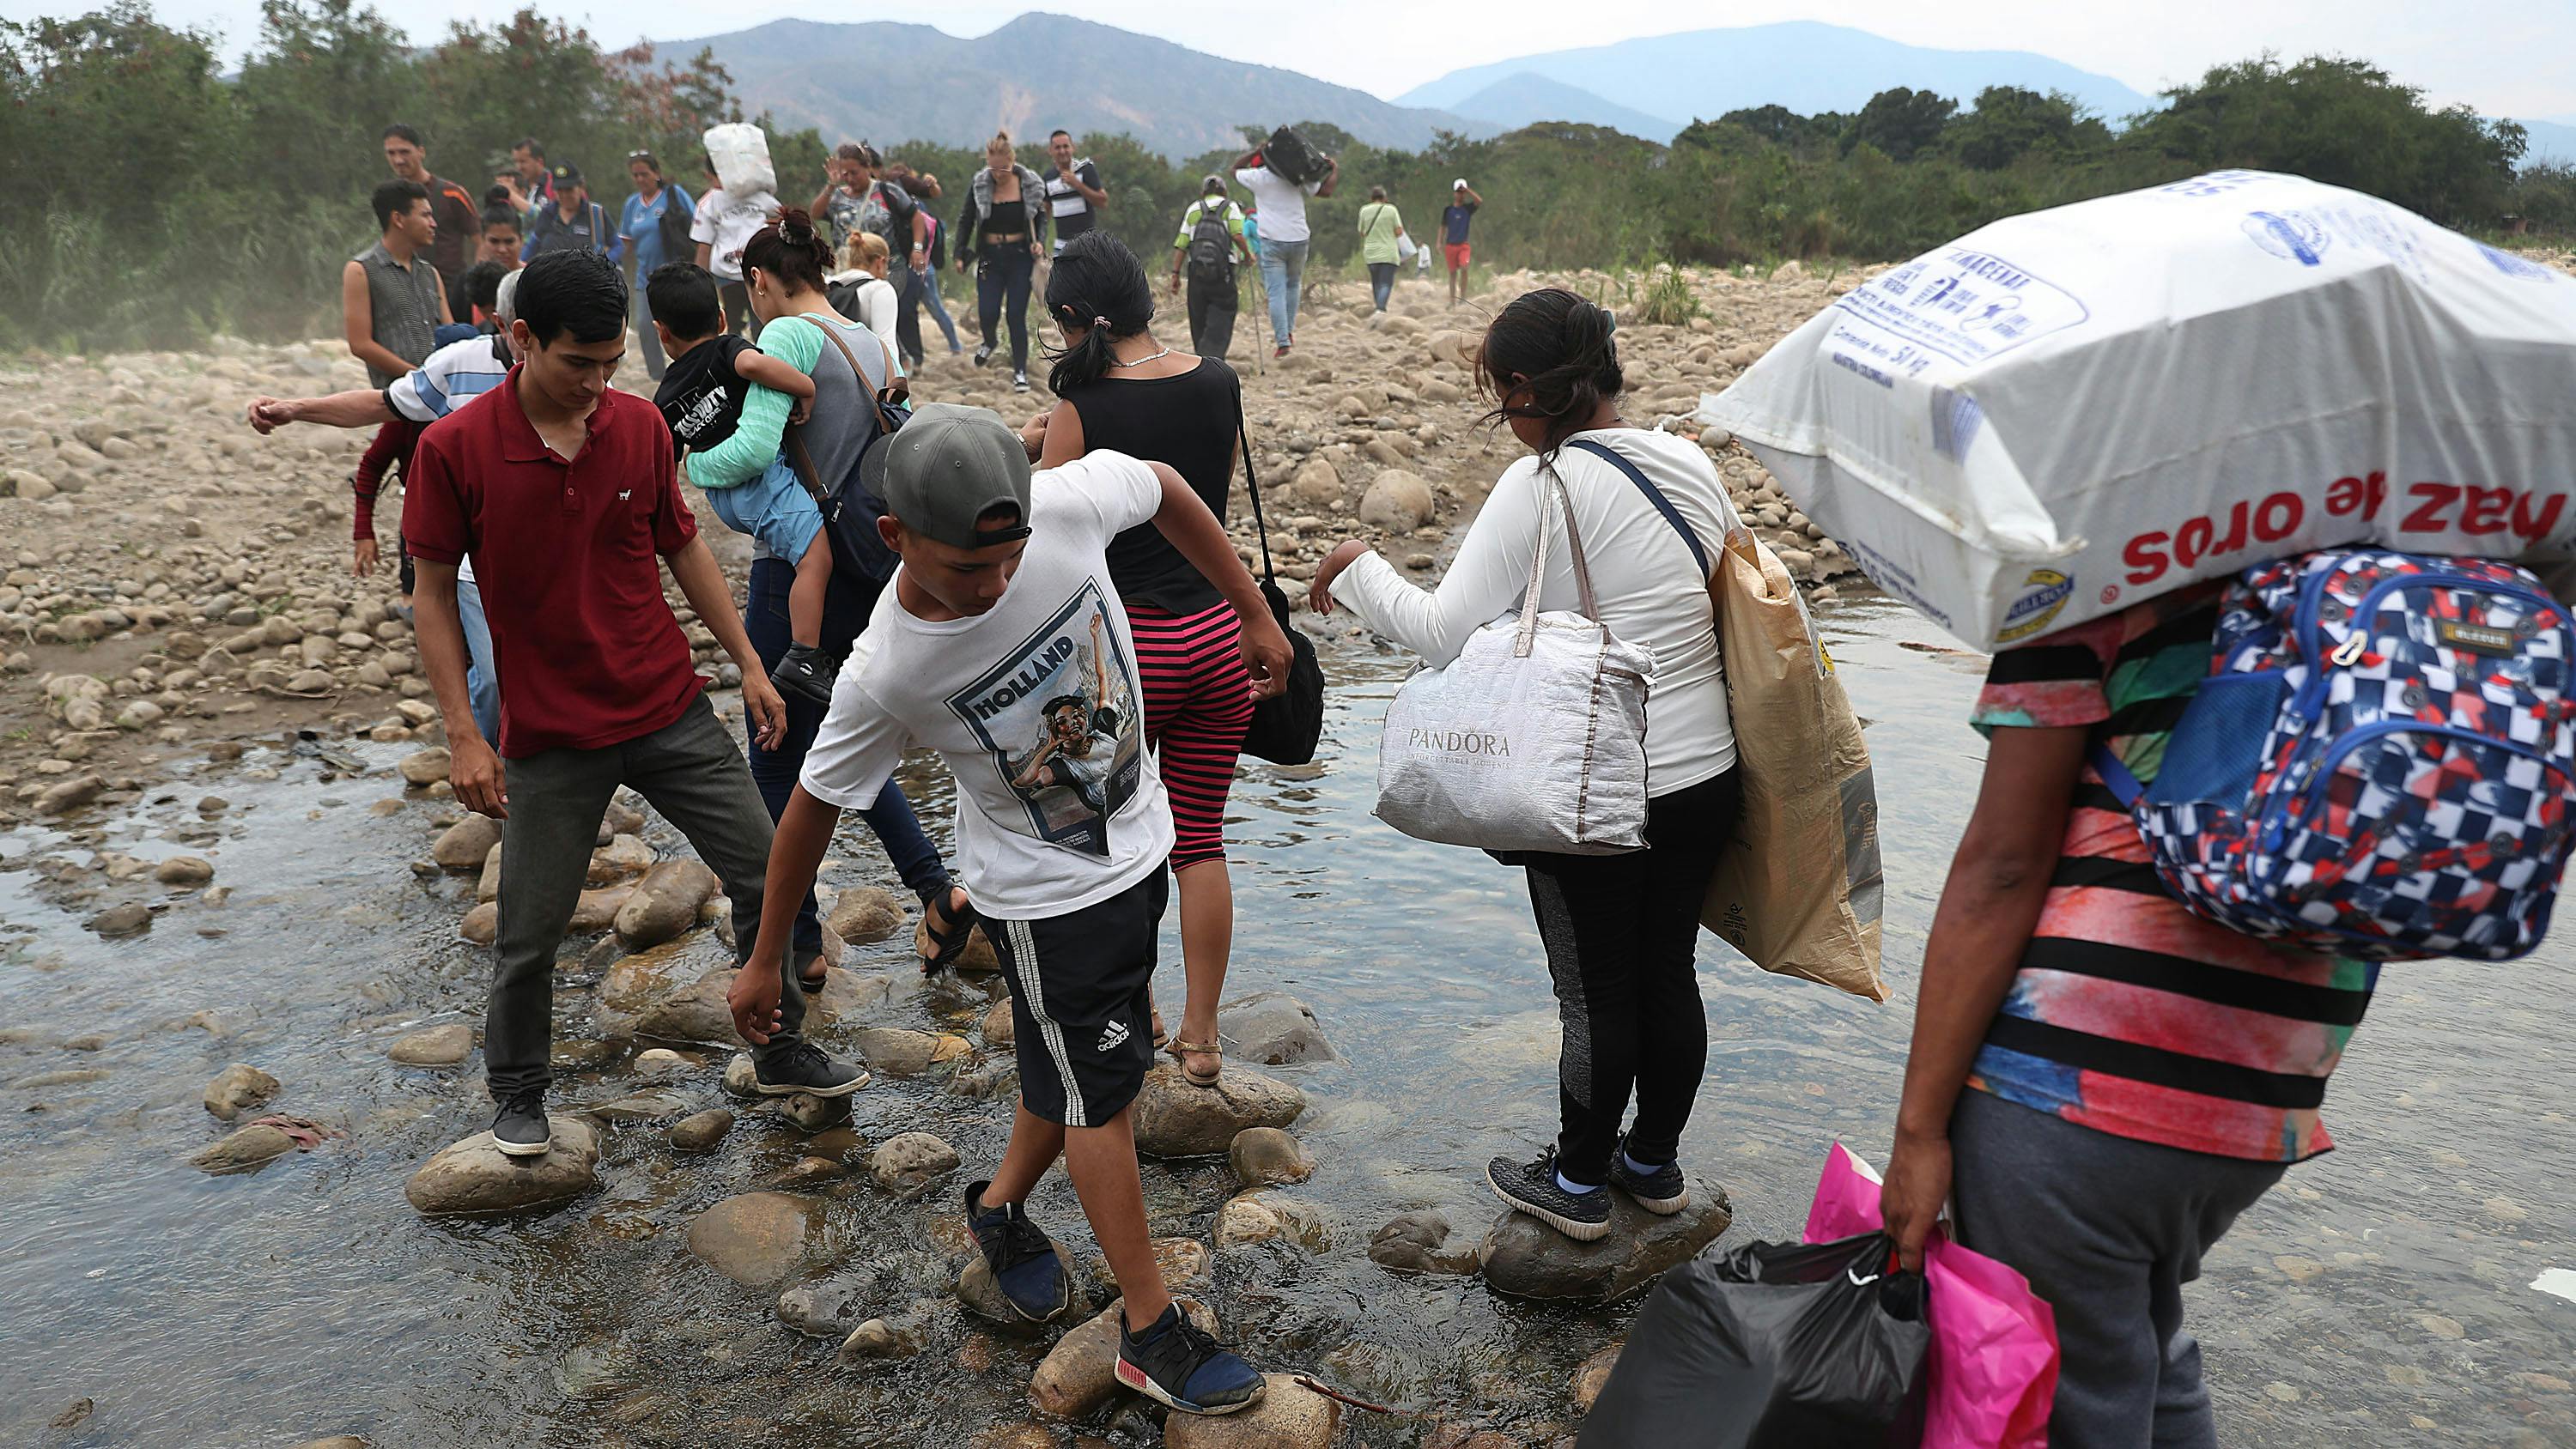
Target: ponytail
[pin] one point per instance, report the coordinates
(1559, 348)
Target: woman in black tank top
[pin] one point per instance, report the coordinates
(1123, 391)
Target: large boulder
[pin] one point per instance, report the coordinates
(463, 845)
(696, 1012)
(1176, 1119)
(1289, 1416)
(237, 1086)
(757, 1238)
(665, 903)
(1525, 1258)
(1080, 1373)
(1397, 501)
(1272, 1028)
(475, 1178)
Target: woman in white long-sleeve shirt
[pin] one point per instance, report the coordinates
(1621, 931)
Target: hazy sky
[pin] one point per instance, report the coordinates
(2503, 59)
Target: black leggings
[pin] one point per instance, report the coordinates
(1003, 273)
(1622, 935)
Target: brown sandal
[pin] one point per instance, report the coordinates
(1182, 1051)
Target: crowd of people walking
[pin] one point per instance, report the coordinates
(2100, 1081)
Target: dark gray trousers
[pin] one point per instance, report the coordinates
(688, 770)
(2107, 1229)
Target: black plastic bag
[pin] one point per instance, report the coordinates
(1772, 1346)
(1291, 157)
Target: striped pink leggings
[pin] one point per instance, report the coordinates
(1198, 703)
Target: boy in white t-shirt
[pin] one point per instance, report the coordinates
(1001, 643)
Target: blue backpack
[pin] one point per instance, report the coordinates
(2378, 765)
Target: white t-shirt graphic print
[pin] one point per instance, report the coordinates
(1035, 706)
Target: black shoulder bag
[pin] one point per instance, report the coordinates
(1285, 729)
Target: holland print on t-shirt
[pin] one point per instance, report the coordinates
(1059, 720)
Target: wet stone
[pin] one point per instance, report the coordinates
(445, 1045)
(1080, 1374)
(866, 915)
(907, 1165)
(1423, 1242)
(1593, 1375)
(125, 920)
(1525, 1258)
(1176, 1119)
(902, 1052)
(474, 1177)
(756, 1238)
(464, 845)
(665, 903)
(829, 1307)
(1289, 1416)
(236, 1087)
(701, 1131)
(1267, 1157)
(246, 1150)
(184, 870)
(428, 767)
(1273, 1029)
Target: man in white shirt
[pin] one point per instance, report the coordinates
(1075, 197)
(1282, 205)
(1001, 628)
(723, 225)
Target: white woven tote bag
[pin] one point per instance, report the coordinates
(1534, 738)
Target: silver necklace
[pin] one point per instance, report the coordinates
(1140, 362)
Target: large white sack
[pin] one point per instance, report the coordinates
(739, 151)
(2065, 412)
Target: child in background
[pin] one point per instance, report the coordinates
(701, 397)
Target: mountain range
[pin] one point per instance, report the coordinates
(889, 82)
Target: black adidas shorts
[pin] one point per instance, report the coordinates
(1082, 1011)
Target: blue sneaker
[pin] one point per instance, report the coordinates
(1179, 1365)
(1024, 1262)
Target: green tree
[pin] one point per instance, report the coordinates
(1899, 122)
(2008, 123)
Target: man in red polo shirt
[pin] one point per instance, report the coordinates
(563, 493)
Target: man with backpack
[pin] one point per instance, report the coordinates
(1210, 240)
(571, 222)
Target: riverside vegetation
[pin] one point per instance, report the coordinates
(156, 201)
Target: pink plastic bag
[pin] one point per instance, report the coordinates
(1993, 1362)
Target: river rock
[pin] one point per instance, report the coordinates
(665, 903)
(1267, 1157)
(1525, 1258)
(1272, 1028)
(444, 1045)
(237, 1086)
(428, 767)
(997, 1028)
(596, 910)
(756, 1238)
(877, 1338)
(184, 870)
(696, 1012)
(336, 1441)
(866, 915)
(828, 1307)
(1317, 483)
(701, 1131)
(907, 1164)
(1423, 1242)
(1289, 1416)
(487, 886)
(623, 858)
(65, 796)
(1593, 1375)
(1396, 501)
(481, 924)
(463, 845)
(246, 1150)
(1261, 1217)
(1175, 1119)
(903, 1052)
(125, 920)
(977, 1290)
(475, 1178)
(1080, 1373)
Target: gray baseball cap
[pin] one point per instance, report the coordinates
(949, 466)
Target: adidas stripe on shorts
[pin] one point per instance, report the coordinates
(1082, 1011)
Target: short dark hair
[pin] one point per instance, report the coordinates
(483, 284)
(395, 197)
(1059, 131)
(683, 298)
(504, 215)
(497, 195)
(576, 291)
(850, 151)
(1563, 346)
(405, 132)
(529, 144)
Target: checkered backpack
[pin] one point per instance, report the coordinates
(2379, 763)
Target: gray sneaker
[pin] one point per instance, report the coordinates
(1663, 1191)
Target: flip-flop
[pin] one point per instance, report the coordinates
(1182, 1051)
(943, 947)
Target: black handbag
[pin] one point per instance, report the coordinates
(1285, 729)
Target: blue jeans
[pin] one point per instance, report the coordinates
(774, 508)
(1283, 275)
(482, 683)
(1381, 282)
(764, 618)
(926, 290)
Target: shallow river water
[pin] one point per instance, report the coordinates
(2381, 1296)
